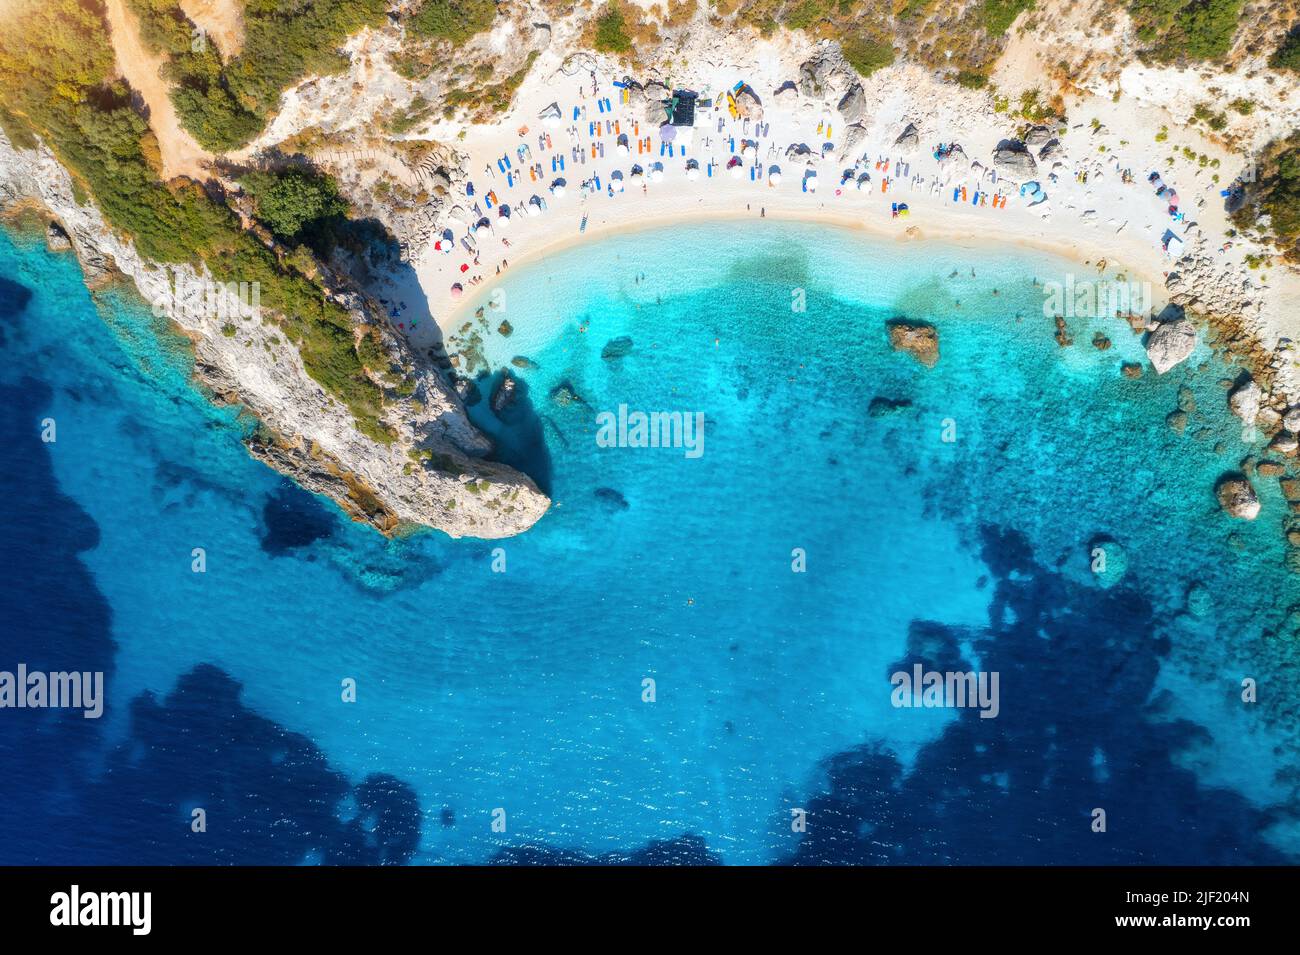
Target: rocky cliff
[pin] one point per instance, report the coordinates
(432, 473)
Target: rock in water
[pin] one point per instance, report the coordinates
(1171, 343)
(522, 361)
(56, 238)
(564, 395)
(918, 339)
(468, 391)
(1199, 601)
(1237, 497)
(616, 348)
(504, 394)
(1244, 401)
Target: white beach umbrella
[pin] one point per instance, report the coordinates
(693, 173)
(737, 171)
(774, 177)
(812, 183)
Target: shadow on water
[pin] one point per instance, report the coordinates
(268, 794)
(517, 429)
(1079, 729)
(292, 518)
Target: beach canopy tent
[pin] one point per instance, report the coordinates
(679, 110)
(1032, 190)
(536, 204)
(551, 116)
(484, 223)
(864, 182)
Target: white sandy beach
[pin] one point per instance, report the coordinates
(1090, 214)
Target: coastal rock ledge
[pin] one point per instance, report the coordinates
(432, 473)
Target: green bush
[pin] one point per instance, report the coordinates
(998, 15)
(1191, 29)
(290, 201)
(867, 55)
(1287, 55)
(456, 21)
(611, 30)
(1275, 193)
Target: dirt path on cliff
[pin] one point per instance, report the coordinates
(223, 20)
(181, 155)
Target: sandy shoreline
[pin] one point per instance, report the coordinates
(1087, 254)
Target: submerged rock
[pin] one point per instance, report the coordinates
(1107, 560)
(527, 364)
(505, 393)
(616, 348)
(505, 328)
(1131, 369)
(1237, 497)
(918, 339)
(881, 406)
(1200, 603)
(1171, 343)
(611, 498)
(564, 395)
(468, 391)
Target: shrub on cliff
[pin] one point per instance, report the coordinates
(1186, 29)
(611, 30)
(1287, 55)
(998, 15)
(1275, 194)
(291, 201)
(456, 21)
(866, 55)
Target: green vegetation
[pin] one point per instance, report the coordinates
(611, 30)
(56, 69)
(1275, 194)
(998, 15)
(867, 55)
(972, 79)
(224, 106)
(1203, 113)
(292, 201)
(1190, 29)
(456, 21)
(1287, 55)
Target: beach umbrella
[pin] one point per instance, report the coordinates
(637, 171)
(657, 172)
(457, 290)
(693, 173)
(812, 182)
(616, 180)
(737, 171)
(668, 132)
(864, 182)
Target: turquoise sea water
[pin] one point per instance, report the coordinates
(523, 690)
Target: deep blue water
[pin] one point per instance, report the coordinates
(523, 691)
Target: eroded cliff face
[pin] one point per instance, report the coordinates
(431, 474)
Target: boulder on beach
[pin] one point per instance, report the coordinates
(1237, 497)
(1012, 158)
(909, 138)
(1051, 152)
(918, 339)
(1171, 343)
(853, 104)
(854, 134)
(1038, 136)
(748, 105)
